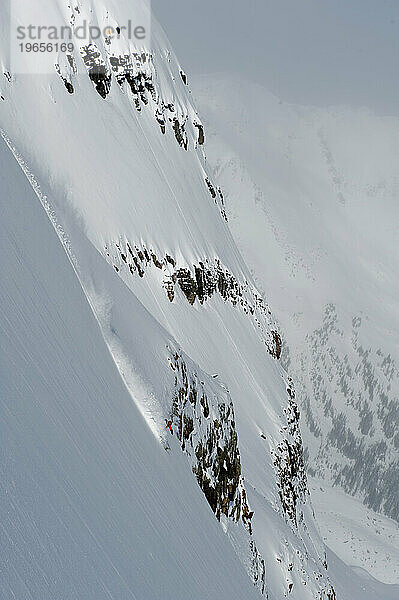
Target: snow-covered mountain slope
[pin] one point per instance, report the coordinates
(91, 504)
(361, 537)
(357, 582)
(311, 197)
(115, 156)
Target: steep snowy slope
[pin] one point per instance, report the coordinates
(90, 502)
(89, 499)
(359, 536)
(312, 201)
(115, 155)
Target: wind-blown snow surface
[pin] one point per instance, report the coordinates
(115, 158)
(90, 504)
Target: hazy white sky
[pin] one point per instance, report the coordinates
(307, 51)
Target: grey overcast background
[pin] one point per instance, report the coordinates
(318, 52)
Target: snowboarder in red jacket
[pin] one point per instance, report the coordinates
(169, 426)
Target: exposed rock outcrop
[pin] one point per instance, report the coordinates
(206, 429)
(199, 283)
(289, 463)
